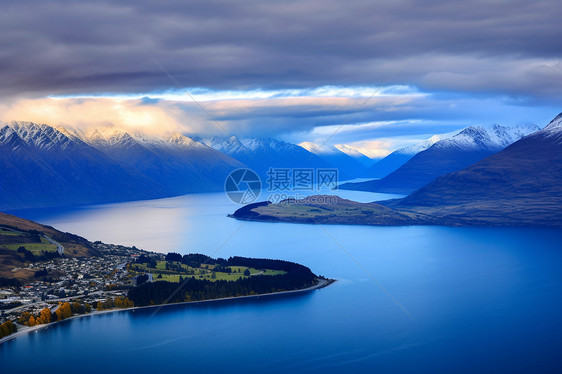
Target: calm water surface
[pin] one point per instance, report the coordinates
(481, 300)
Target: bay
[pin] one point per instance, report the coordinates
(408, 299)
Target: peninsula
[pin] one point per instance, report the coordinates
(47, 276)
(519, 186)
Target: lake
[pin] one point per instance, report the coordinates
(408, 299)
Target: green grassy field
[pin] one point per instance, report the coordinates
(10, 233)
(36, 248)
(177, 269)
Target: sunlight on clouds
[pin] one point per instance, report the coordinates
(243, 113)
(342, 129)
(202, 94)
(86, 113)
(374, 148)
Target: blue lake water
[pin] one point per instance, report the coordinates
(484, 300)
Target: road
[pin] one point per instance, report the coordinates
(60, 248)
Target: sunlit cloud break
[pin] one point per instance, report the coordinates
(203, 94)
(262, 112)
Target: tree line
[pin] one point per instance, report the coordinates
(191, 289)
(7, 328)
(9, 282)
(69, 309)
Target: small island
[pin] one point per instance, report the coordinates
(47, 276)
(328, 209)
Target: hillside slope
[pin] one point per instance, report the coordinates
(445, 156)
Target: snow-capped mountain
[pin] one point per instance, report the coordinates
(399, 157)
(495, 137)
(48, 166)
(521, 185)
(554, 128)
(42, 166)
(446, 156)
(348, 166)
(261, 154)
(180, 163)
(357, 155)
(228, 145)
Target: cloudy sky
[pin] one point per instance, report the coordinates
(370, 73)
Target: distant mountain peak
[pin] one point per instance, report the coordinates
(110, 134)
(185, 141)
(320, 149)
(493, 137)
(41, 135)
(555, 125)
(421, 146)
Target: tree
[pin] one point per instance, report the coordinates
(66, 310)
(171, 256)
(45, 316)
(59, 315)
(247, 272)
(24, 318)
(142, 279)
(7, 328)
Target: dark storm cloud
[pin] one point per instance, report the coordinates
(66, 47)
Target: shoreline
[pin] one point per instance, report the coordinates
(321, 284)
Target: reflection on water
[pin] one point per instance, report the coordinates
(190, 223)
(482, 299)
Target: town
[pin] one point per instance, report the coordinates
(90, 280)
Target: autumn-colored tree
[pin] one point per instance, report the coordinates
(31, 322)
(44, 317)
(24, 318)
(7, 328)
(118, 302)
(108, 304)
(59, 315)
(66, 310)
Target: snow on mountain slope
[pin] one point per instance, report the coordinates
(61, 166)
(414, 149)
(321, 149)
(519, 186)
(554, 127)
(40, 136)
(357, 155)
(446, 156)
(399, 157)
(230, 145)
(261, 154)
(182, 164)
(495, 137)
(347, 165)
(42, 166)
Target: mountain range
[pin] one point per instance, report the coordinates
(522, 184)
(350, 167)
(445, 156)
(357, 155)
(399, 157)
(45, 166)
(519, 186)
(261, 154)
